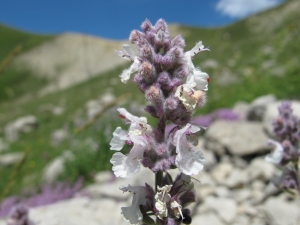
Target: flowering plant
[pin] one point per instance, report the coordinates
(167, 77)
(287, 150)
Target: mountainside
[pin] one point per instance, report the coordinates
(70, 59)
(71, 72)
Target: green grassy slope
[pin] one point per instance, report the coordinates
(255, 56)
(14, 84)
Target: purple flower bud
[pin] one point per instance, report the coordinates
(154, 94)
(182, 72)
(178, 41)
(146, 26)
(147, 71)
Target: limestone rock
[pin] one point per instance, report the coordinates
(207, 218)
(259, 168)
(225, 208)
(79, 211)
(56, 167)
(58, 136)
(239, 138)
(282, 211)
(10, 159)
(258, 107)
(23, 124)
(222, 171)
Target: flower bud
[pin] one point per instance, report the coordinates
(146, 26)
(178, 41)
(182, 72)
(146, 70)
(164, 81)
(153, 94)
(146, 52)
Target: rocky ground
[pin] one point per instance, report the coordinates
(236, 187)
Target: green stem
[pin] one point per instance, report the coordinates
(158, 179)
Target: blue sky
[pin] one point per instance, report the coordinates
(115, 19)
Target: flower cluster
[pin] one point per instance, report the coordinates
(167, 203)
(287, 150)
(174, 88)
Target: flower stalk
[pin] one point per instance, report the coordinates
(174, 89)
(287, 148)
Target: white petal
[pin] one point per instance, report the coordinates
(190, 162)
(127, 49)
(127, 53)
(161, 208)
(277, 155)
(124, 166)
(189, 97)
(118, 140)
(201, 80)
(127, 114)
(125, 76)
(132, 214)
(197, 48)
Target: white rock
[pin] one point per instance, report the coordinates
(281, 211)
(107, 98)
(258, 185)
(258, 107)
(236, 178)
(58, 136)
(70, 59)
(204, 191)
(259, 168)
(225, 208)
(23, 124)
(221, 171)
(55, 110)
(241, 220)
(209, 155)
(222, 191)
(206, 186)
(79, 211)
(207, 219)
(111, 189)
(103, 177)
(242, 194)
(238, 162)
(9, 159)
(93, 107)
(241, 108)
(56, 167)
(239, 137)
(248, 209)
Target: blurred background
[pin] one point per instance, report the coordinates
(60, 86)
